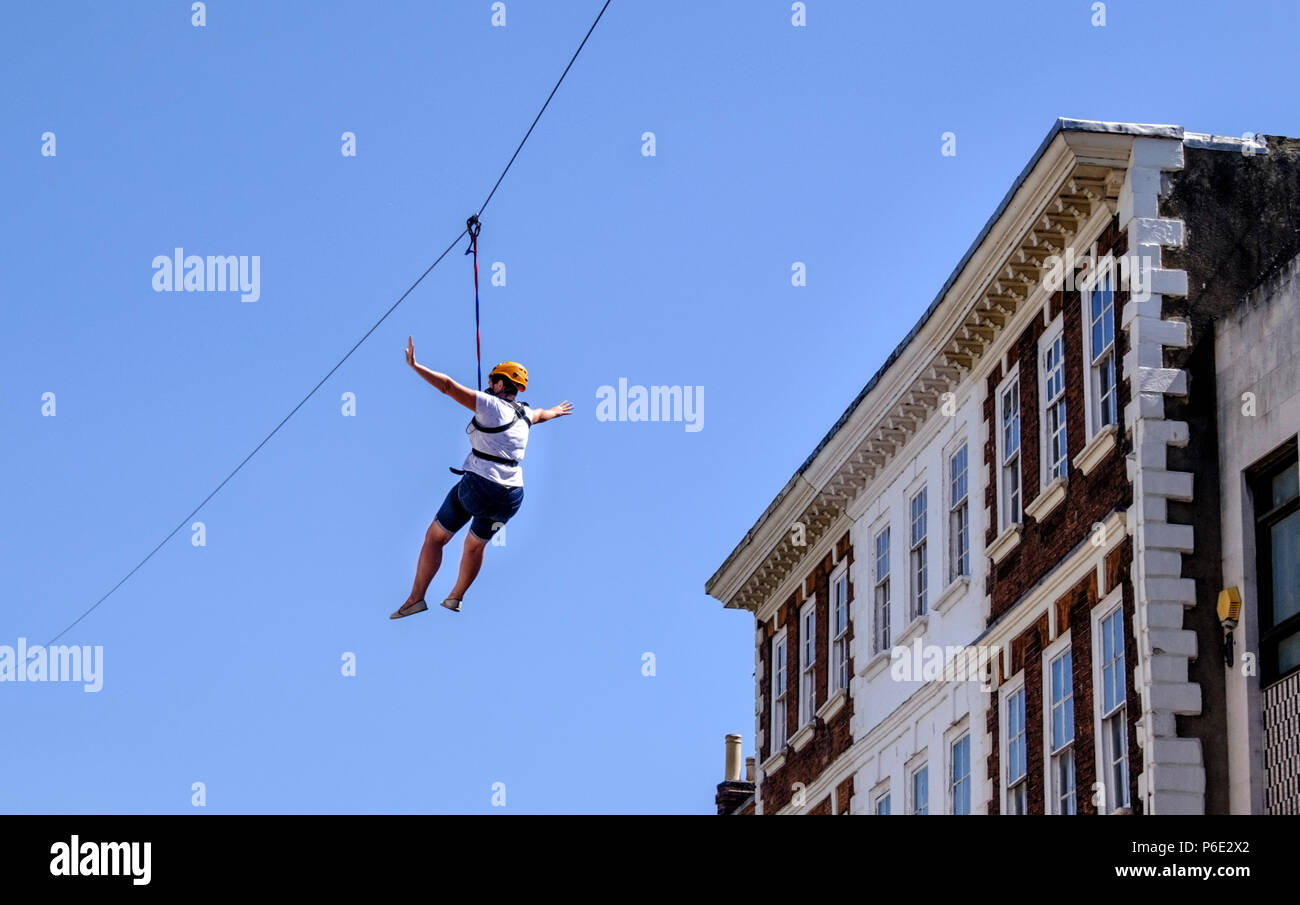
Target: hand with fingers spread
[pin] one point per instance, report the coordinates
(555, 411)
(441, 382)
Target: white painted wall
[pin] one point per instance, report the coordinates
(907, 721)
(1254, 353)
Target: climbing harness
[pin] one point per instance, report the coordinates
(520, 415)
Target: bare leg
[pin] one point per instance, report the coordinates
(430, 559)
(470, 562)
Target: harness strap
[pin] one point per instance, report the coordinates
(500, 460)
(519, 416)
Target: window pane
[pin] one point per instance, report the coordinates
(778, 695)
(918, 580)
(1112, 644)
(1016, 736)
(1106, 386)
(1116, 738)
(841, 664)
(1285, 486)
(960, 780)
(1019, 802)
(921, 791)
(1013, 491)
(1010, 420)
(1063, 779)
(1053, 368)
(1015, 416)
(1103, 318)
(1062, 699)
(959, 529)
(1053, 397)
(958, 471)
(1285, 540)
(882, 615)
(1108, 312)
(1056, 439)
(1288, 653)
(809, 697)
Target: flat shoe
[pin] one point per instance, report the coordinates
(409, 609)
(452, 604)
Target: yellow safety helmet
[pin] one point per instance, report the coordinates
(512, 371)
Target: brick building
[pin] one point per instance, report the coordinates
(992, 587)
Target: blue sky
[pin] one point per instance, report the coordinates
(774, 144)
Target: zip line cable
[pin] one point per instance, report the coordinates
(594, 23)
(354, 348)
(259, 446)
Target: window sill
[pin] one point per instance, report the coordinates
(1097, 449)
(1006, 542)
(1045, 502)
(954, 592)
(876, 665)
(914, 629)
(833, 706)
(802, 737)
(773, 763)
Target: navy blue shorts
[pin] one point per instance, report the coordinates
(485, 504)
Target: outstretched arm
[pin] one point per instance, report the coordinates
(441, 382)
(555, 411)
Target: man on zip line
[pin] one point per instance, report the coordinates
(491, 487)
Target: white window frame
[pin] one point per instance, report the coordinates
(881, 636)
(780, 695)
(920, 766)
(1095, 360)
(918, 555)
(952, 739)
(959, 511)
(1009, 690)
(1111, 606)
(838, 676)
(1005, 466)
(885, 797)
(1050, 471)
(1052, 752)
(808, 662)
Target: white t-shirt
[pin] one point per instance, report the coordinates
(509, 443)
